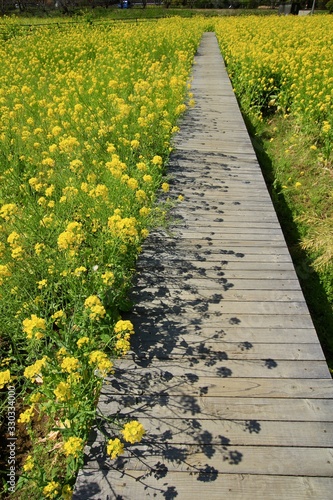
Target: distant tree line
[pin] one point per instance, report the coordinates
(70, 6)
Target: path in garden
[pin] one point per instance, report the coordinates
(226, 374)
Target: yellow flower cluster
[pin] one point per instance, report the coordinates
(52, 489)
(123, 326)
(73, 446)
(28, 464)
(95, 307)
(72, 237)
(8, 210)
(4, 378)
(4, 272)
(70, 364)
(123, 228)
(14, 240)
(26, 416)
(34, 327)
(63, 391)
(133, 432)
(34, 371)
(100, 360)
(114, 448)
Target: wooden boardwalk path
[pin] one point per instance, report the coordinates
(226, 374)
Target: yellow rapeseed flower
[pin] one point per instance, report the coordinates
(70, 364)
(35, 370)
(108, 278)
(95, 307)
(82, 341)
(67, 492)
(63, 391)
(73, 446)
(133, 432)
(28, 464)
(26, 416)
(123, 326)
(157, 160)
(4, 378)
(4, 272)
(8, 210)
(39, 247)
(51, 490)
(114, 448)
(34, 327)
(100, 359)
(122, 346)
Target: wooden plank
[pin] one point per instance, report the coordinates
(204, 266)
(145, 293)
(206, 407)
(202, 320)
(131, 485)
(215, 367)
(226, 249)
(147, 332)
(221, 257)
(222, 240)
(232, 307)
(212, 232)
(230, 350)
(214, 281)
(215, 220)
(280, 460)
(245, 387)
(230, 432)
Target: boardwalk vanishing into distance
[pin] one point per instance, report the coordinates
(226, 371)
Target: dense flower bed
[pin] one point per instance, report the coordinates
(284, 64)
(87, 120)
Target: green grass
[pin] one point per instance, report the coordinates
(299, 212)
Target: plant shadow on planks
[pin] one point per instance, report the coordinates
(160, 385)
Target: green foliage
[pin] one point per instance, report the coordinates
(329, 6)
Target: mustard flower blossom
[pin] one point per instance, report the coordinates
(124, 326)
(73, 447)
(114, 448)
(51, 490)
(34, 327)
(133, 432)
(70, 364)
(100, 359)
(82, 341)
(4, 378)
(28, 464)
(34, 371)
(95, 306)
(26, 416)
(157, 160)
(62, 391)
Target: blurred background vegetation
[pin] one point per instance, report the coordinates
(157, 8)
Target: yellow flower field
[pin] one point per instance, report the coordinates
(87, 119)
(88, 116)
(284, 65)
